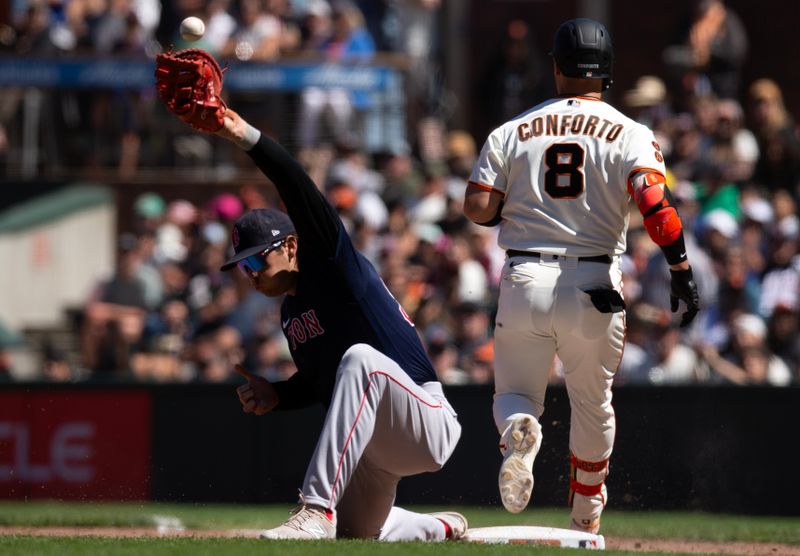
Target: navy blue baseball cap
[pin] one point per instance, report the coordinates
(256, 230)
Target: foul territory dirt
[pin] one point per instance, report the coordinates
(612, 543)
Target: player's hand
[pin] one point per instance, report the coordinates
(682, 287)
(258, 395)
(233, 127)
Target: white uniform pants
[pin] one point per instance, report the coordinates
(380, 427)
(543, 311)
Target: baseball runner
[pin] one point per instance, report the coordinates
(356, 350)
(558, 179)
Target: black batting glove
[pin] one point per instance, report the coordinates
(683, 287)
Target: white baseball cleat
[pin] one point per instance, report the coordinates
(520, 444)
(456, 523)
(307, 522)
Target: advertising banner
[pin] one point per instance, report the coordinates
(75, 445)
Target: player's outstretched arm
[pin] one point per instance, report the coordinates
(189, 83)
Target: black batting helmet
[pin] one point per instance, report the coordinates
(582, 48)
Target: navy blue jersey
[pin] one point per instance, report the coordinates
(340, 300)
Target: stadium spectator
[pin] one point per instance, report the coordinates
(648, 103)
(514, 78)
(444, 356)
(410, 28)
(746, 360)
(733, 147)
(778, 165)
(220, 26)
(257, 35)
(710, 56)
(349, 43)
(471, 335)
(783, 329)
(114, 316)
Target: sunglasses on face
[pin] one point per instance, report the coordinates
(256, 263)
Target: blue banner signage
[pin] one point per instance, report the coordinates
(240, 76)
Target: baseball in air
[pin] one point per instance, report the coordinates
(192, 29)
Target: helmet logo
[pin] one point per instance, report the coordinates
(235, 237)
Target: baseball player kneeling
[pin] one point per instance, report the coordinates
(356, 350)
(558, 180)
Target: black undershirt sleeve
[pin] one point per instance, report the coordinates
(315, 220)
(294, 393)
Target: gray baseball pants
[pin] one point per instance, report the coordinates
(380, 427)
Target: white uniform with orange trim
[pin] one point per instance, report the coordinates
(566, 192)
(563, 169)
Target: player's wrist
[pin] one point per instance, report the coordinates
(684, 265)
(248, 137)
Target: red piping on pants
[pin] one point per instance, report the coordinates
(358, 416)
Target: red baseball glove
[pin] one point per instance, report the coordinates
(189, 83)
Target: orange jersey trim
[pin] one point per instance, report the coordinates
(484, 187)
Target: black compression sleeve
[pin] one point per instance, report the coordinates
(315, 220)
(675, 252)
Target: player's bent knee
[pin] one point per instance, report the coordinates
(355, 359)
(358, 352)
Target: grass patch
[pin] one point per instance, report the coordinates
(662, 525)
(81, 546)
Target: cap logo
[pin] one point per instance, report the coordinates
(235, 237)
(275, 232)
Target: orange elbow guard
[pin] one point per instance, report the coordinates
(654, 200)
(664, 226)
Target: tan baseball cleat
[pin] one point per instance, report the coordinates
(520, 445)
(455, 522)
(307, 522)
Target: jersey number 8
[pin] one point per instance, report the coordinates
(564, 160)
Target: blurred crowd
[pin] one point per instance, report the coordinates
(123, 129)
(264, 30)
(732, 150)
(169, 314)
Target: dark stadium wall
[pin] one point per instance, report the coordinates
(718, 449)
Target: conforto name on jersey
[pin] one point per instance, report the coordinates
(569, 124)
